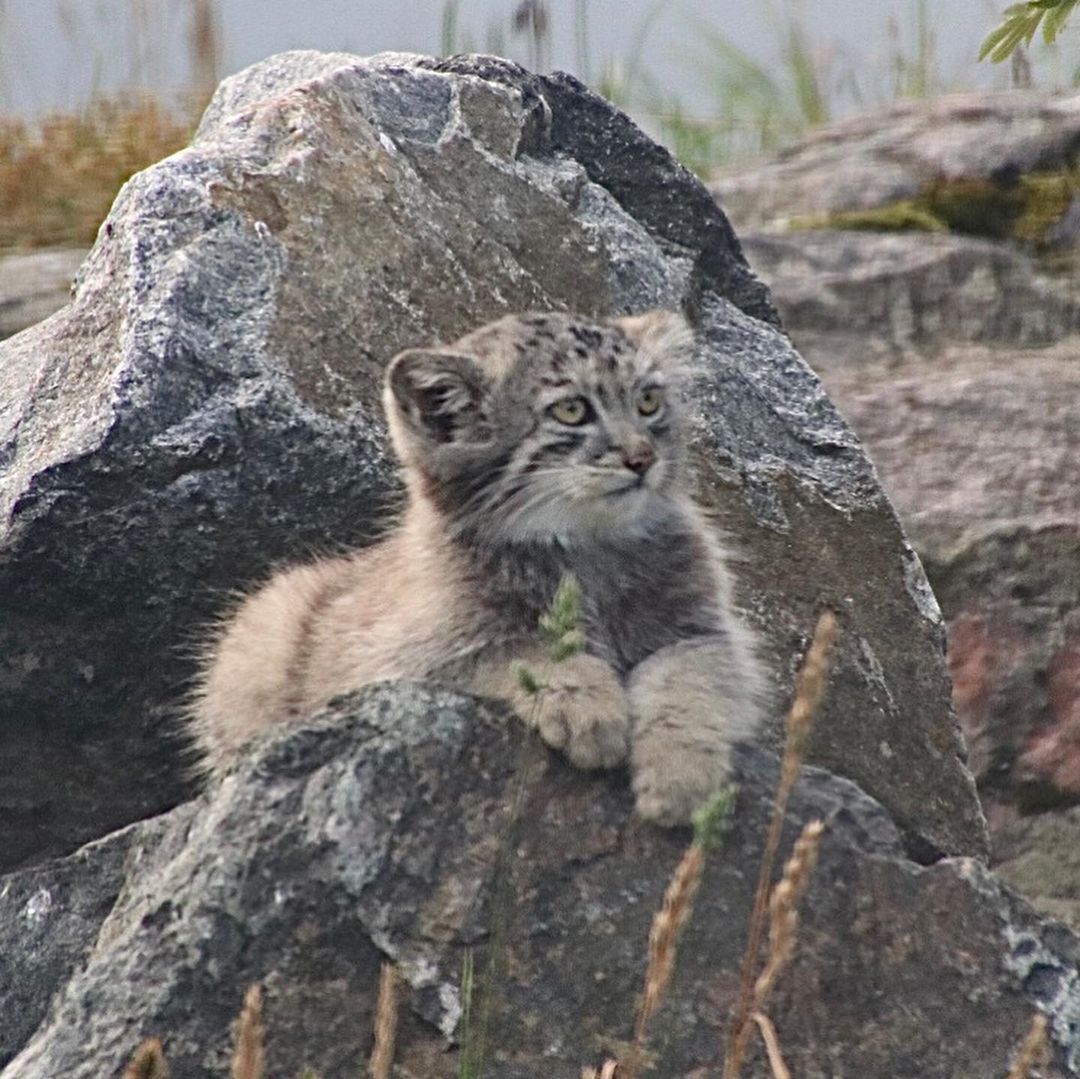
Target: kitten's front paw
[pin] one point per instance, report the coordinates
(673, 780)
(691, 701)
(581, 709)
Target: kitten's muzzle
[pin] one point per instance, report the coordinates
(639, 456)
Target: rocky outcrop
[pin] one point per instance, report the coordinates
(982, 440)
(399, 822)
(892, 155)
(52, 914)
(978, 451)
(33, 286)
(851, 297)
(1041, 849)
(207, 406)
(953, 358)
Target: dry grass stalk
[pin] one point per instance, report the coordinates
(148, 1062)
(1034, 1050)
(710, 822)
(664, 934)
(205, 46)
(772, 1046)
(809, 688)
(784, 908)
(249, 1056)
(386, 1023)
(608, 1070)
(59, 177)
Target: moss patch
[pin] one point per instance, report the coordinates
(904, 216)
(1023, 208)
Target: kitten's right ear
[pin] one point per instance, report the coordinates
(663, 339)
(439, 396)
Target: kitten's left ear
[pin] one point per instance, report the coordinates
(440, 397)
(662, 337)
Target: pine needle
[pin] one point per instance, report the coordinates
(560, 624)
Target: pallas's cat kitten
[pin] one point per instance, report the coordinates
(535, 447)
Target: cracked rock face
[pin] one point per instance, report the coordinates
(378, 831)
(207, 407)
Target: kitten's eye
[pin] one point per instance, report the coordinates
(571, 410)
(649, 400)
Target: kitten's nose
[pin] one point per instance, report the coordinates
(638, 455)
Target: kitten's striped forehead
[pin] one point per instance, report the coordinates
(547, 424)
(557, 350)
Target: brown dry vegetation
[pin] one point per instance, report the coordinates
(58, 177)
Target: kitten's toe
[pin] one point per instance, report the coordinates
(580, 708)
(670, 786)
(599, 741)
(667, 806)
(552, 725)
(591, 731)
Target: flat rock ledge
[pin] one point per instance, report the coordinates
(379, 832)
(886, 155)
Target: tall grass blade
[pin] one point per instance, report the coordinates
(386, 1023)
(1034, 1051)
(448, 32)
(249, 1054)
(148, 1062)
(809, 689)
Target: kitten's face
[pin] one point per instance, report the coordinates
(545, 426)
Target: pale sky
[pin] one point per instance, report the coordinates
(55, 53)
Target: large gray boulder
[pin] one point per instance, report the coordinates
(207, 407)
(393, 827)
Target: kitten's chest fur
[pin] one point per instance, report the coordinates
(640, 593)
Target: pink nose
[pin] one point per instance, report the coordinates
(638, 456)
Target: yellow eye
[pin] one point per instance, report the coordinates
(571, 410)
(649, 400)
